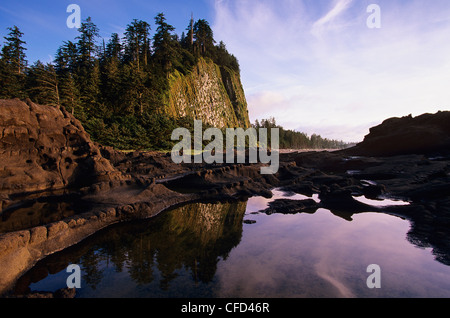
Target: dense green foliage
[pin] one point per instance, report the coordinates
(118, 88)
(13, 65)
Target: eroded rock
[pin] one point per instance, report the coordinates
(46, 148)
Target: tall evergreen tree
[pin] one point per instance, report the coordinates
(137, 43)
(114, 47)
(203, 35)
(89, 85)
(166, 48)
(187, 40)
(111, 84)
(67, 58)
(69, 94)
(136, 93)
(87, 48)
(66, 66)
(42, 84)
(88, 71)
(13, 53)
(13, 64)
(222, 57)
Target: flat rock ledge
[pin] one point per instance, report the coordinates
(122, 201)
(20, 250)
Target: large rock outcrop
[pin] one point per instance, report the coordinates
(425, 134)
(209, 93)
(46, 148)
(37, 142)
(57, 187)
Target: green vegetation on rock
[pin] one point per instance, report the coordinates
(131, 93)
(210, 93)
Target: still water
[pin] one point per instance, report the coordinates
(235, 250)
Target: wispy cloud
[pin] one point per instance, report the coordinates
(350, 76)
(338, 9)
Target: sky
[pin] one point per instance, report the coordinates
(313, 65)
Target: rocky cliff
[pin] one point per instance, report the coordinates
(209, 93)
(46, 148)
(424, 134)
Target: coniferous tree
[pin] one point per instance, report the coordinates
(222, 57)
(69, 95)
(137, 43)
(67, 58)
(66, 66)
(204, 38)
(135, 92)
(114, 48)
(13, 53)
(187, 40)
(88, 70)
(87, 48)
(136, 76)
(13, 64)
(111, 84)
(42, 84)
(166, 48)
(10, 84)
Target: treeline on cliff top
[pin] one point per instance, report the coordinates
(116, 89)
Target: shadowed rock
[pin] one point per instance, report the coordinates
(46, 148)
(425, 134)
(286, 206)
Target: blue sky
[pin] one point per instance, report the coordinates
(44, 26)
(312, 64)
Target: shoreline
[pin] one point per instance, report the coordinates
(323, 173)
(46, 149)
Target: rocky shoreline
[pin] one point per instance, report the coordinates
(52, 167)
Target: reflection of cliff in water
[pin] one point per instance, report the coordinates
(192, 237)
(38, 211)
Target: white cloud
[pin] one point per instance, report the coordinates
(339, 7)
(346, 77)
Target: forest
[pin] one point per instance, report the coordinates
(290, 139)
(118, 88)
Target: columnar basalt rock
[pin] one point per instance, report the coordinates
(209, 93)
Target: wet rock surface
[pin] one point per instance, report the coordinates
(44, 210)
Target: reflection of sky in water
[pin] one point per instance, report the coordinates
(382, 202)
(301, 255)
(321, 255)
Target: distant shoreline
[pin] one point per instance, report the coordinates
(284, 151)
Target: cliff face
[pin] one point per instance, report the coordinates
(209, 93)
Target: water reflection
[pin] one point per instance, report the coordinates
(31, 212)
(189, 239)
(236, 250)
